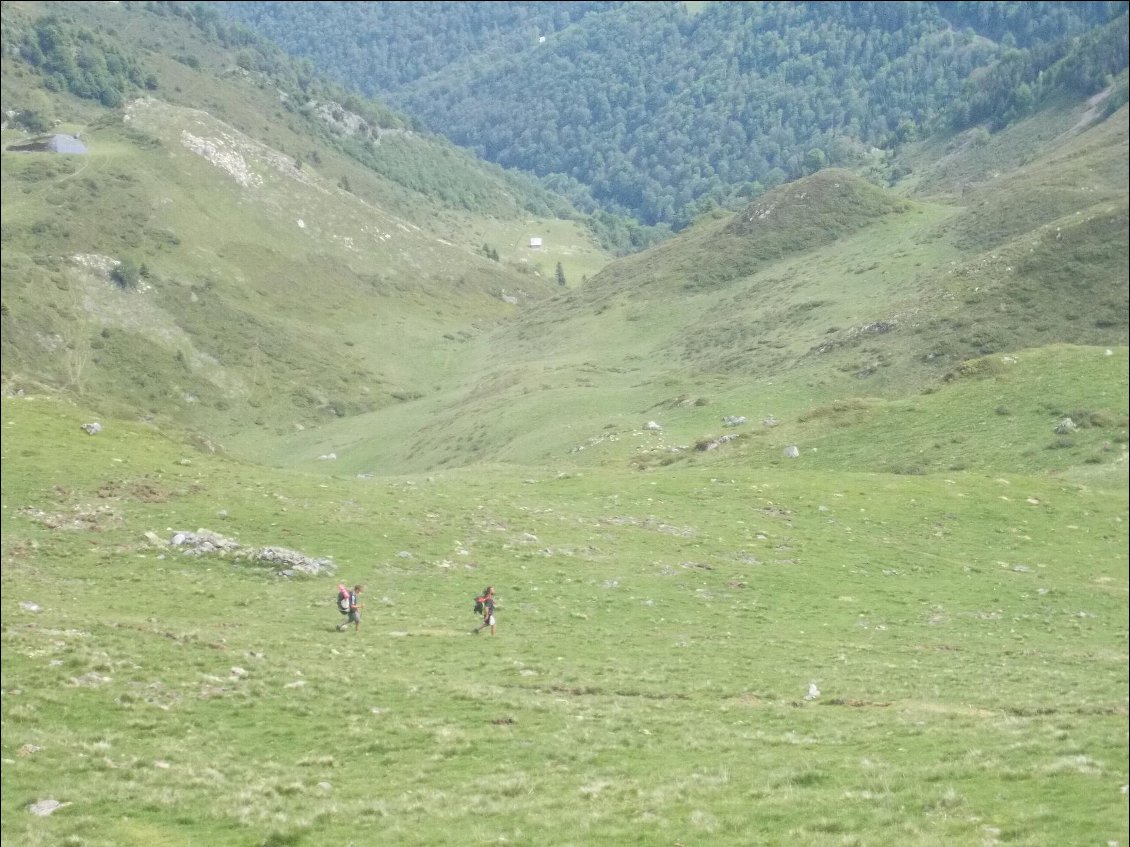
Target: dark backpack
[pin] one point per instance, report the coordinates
(343, 599)
(479, 605)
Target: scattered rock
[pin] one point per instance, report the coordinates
(1066, 426)
(813, 692)
(792, 451)
(91, 678)
(715, 443)
(91, 428)
(285, 561)
(43, 808)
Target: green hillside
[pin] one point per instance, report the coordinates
(807, 524)
(279, 274)
(824, 290)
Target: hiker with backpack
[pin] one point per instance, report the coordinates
(485, 605)
(348, 604)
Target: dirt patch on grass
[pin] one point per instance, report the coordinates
(855, 704)
(144, 491)
(88, 518)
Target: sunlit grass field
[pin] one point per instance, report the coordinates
(651, 681)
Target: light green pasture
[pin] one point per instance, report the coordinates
(658, 632)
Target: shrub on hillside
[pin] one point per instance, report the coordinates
(986, 366)
(127, 274)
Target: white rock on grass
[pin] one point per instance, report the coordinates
(43, 808)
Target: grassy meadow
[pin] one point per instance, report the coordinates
(658, 634)
(910, 630)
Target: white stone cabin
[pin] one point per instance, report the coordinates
(535, 242)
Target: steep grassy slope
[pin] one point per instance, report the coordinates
(287, 278)
(242, 315)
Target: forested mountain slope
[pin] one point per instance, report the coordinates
(658, 112)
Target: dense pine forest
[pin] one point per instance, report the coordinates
(662, 111)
